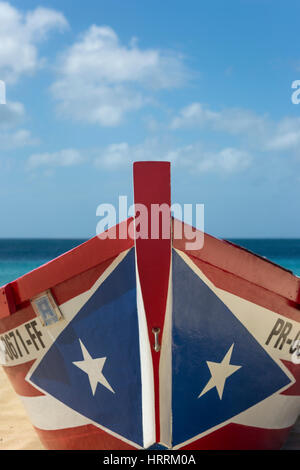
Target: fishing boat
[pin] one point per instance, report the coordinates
(131, 342)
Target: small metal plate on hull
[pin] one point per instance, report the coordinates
(45, 307)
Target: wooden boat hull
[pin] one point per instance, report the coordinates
(134, 343)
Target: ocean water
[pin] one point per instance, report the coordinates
(285, 252)
(18, 257)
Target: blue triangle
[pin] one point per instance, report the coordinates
(107, 325)
(204, 329)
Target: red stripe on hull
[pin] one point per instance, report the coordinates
(86, 437)
(74, 262)
(62, 293)
(295, 370)
(13, 321)
(7, 301)
(16, 375)
(152, 186)
(79, 284)
(239, 437)
(243, 264)
(247, 290)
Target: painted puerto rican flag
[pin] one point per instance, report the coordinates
(232, 385)
(222, 376)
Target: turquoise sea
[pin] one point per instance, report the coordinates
(17, 257)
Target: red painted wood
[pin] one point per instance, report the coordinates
(16, 376)
(7, 301)
(152, 186)
(61, 292)
(87, 437)
(78, 284)
(245, 289)
(239, 437)
(240, 262)
(70, 264)
(295, 370)
(13, 321)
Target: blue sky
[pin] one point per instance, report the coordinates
(93, 86)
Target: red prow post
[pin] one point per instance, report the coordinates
(152, 198)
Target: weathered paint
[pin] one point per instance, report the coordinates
(213, 305)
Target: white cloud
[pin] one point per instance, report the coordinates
(10, 140)
(241, 121)
(192, 157)
(114, 156)
(100, 79)
(11, 136)
(193, 115)
(20, 34)
(285, 135)
(122, 154)
(62, 158)
(260, 132)
(230, 120)
(228, 160)
(11, 114)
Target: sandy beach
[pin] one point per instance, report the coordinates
(17, 433)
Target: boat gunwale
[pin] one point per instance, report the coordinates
(50, 274)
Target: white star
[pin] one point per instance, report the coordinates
(219, 373)
(93, 368)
